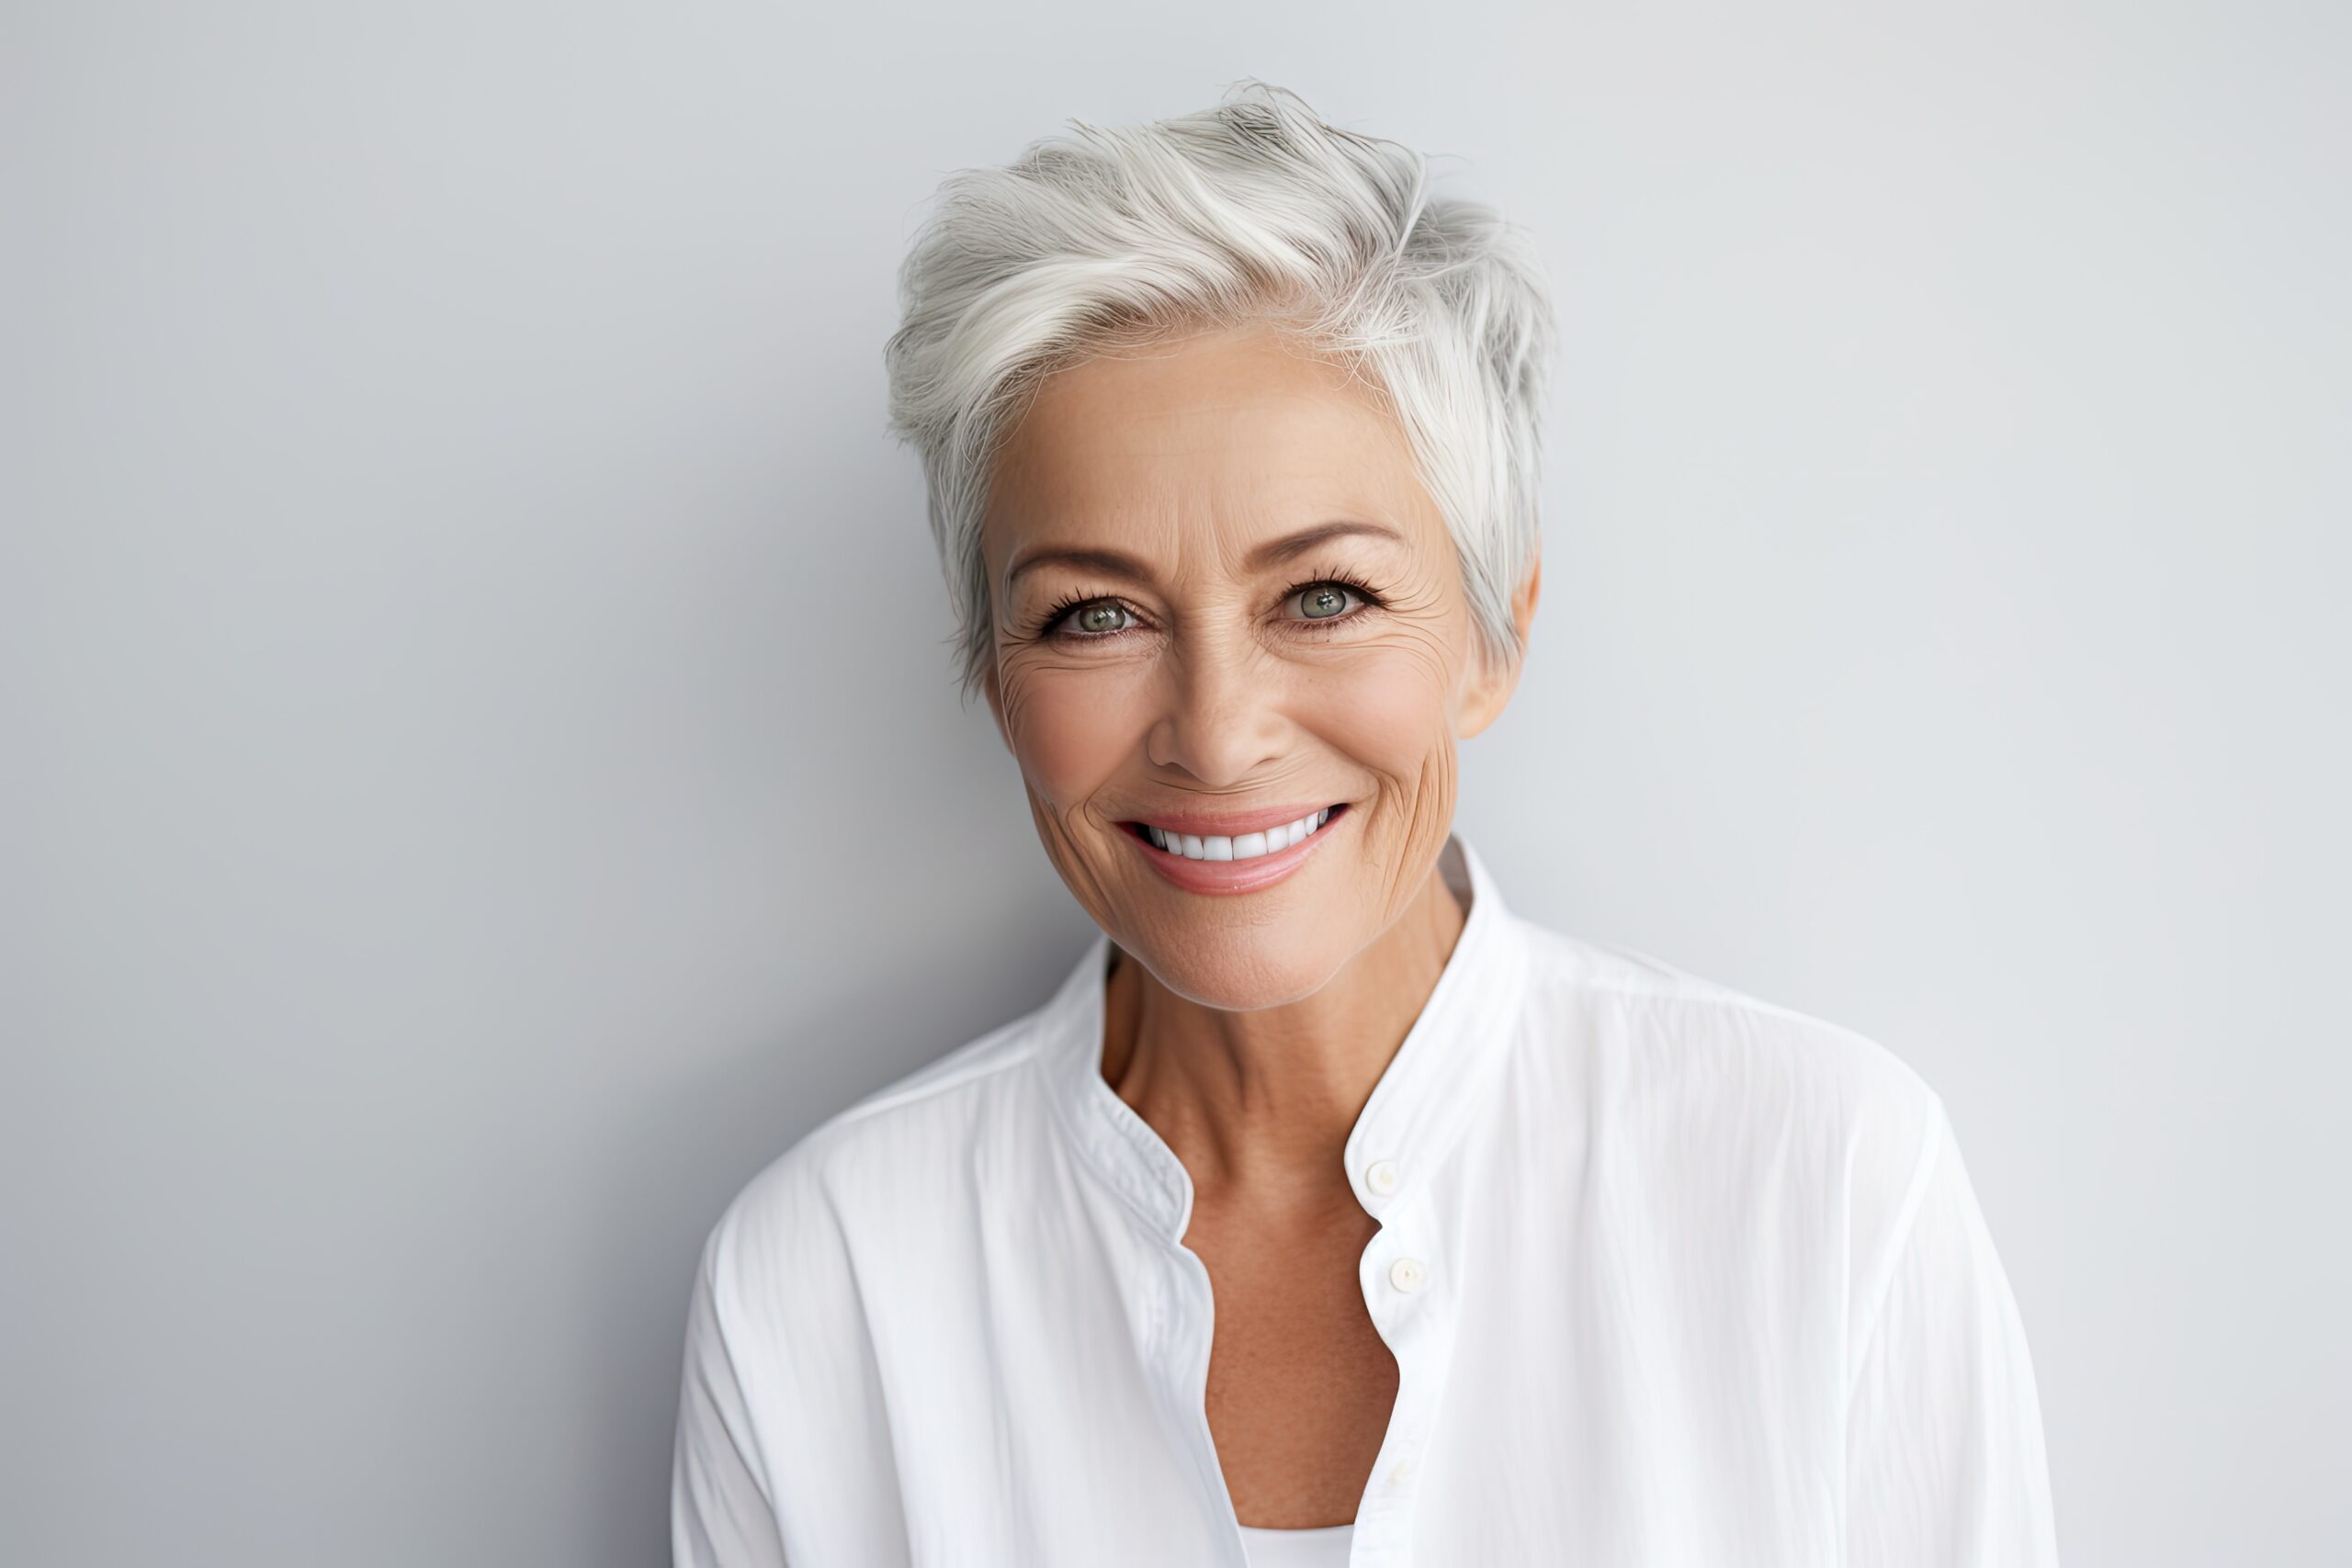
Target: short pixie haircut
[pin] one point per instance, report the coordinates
(1252, 212)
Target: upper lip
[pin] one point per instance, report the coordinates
(1232, 824)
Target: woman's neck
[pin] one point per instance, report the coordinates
(1261, 1103)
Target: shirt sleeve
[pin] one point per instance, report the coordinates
(721, 1514)
(1945, 1463)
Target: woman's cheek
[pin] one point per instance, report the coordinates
(1386, 709)
(1073, 728)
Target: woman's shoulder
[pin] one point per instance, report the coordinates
(898, 1147)
(1671, 1048)
(942, 1103)
(1773, 1115)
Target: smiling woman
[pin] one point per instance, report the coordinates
(1222, 601)
(1329, 1212)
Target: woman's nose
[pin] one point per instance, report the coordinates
(1221, 716)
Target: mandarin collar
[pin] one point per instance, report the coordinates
(1417, 1111)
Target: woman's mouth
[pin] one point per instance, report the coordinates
(1234, 862)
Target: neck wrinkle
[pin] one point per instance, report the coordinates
(1258, 1105)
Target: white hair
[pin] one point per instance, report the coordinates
(1254, 211)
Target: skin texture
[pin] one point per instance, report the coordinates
(1247, 1030)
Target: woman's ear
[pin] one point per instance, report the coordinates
(1491, 690)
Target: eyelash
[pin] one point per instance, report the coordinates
(1053, 615)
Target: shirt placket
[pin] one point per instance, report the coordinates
(1410, 1292)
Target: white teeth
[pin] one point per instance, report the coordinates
(1246, 846)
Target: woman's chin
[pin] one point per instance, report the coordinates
(1239, 974)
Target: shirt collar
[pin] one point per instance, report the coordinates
(1417, 1111)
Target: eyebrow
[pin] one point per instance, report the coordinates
(1118, 563)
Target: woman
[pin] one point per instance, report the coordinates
(1327, 1211)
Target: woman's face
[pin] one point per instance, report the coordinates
(1181, 632)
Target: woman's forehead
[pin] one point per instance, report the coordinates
(1257, 443)
(1219, 395)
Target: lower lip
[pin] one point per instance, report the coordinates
(1237, 875)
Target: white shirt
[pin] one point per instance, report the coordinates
(1672, 1276)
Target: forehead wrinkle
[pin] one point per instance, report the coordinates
(1248, 439)
(1246, 384)
(1216, 473)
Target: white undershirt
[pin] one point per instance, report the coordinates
(1324, 1548)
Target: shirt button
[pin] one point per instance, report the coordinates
(1381, 1176)
(1409, 1274)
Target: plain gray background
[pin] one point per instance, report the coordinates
(484, 774)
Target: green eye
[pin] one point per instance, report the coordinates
(1086, 620)
(1324, 601)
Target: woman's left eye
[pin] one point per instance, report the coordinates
(1323, 601)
